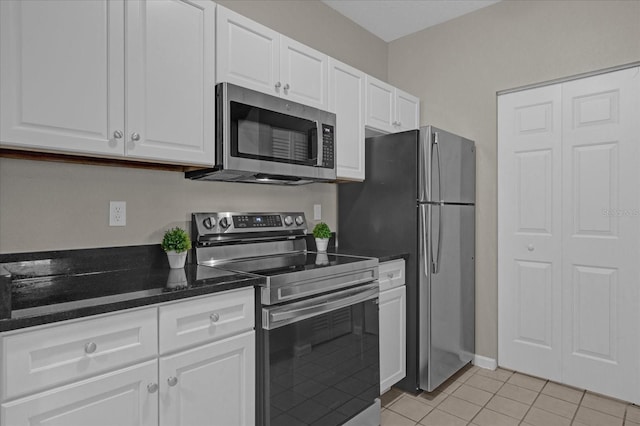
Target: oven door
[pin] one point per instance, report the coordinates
(319, 358)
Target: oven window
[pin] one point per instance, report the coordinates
(267, 135)
(323, 370)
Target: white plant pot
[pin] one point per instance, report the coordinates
(176, 260)
(322, 243)
(177, 278)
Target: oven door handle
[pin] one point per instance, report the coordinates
(276, 317)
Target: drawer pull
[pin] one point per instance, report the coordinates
(214, 317)
(390, 275)
(172, 381)
(90, 347)
(152, 387)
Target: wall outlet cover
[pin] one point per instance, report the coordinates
(117, 213)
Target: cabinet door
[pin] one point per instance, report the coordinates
(529, 231)
(212, 384)
(118, 398)
(62, 75)
(392, 337)
(303, 73)
(601, 233)
(346, 100)
(170, 91)
(379, 106)
(407, 111)
(247, 53)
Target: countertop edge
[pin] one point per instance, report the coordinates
(11, 324)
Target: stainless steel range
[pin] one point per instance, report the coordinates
(317, 318)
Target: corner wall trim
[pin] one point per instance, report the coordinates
(485, 362)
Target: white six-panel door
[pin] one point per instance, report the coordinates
(569, 232)
(529, 234)
(601, 233)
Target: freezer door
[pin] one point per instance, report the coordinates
(448, 167)
(446, 291)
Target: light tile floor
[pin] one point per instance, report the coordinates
(475, 396)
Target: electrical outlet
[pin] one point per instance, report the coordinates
(117, 213)
(317, 212)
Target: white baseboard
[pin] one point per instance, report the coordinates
(485, 362)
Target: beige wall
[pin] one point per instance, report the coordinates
(49, 206)
(457, 67)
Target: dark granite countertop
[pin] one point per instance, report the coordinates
(45, 287)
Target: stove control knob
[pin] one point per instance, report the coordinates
(209, 222)
(288, 221)
(224, 222)
(299, 220)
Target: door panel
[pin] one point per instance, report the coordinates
(529, 238)
(453, 167)
(304, 73)
(247, 53)
(601, 233)
(210, 384)
(117, 398)
(447, 294)
(170, 80)
(62, 75)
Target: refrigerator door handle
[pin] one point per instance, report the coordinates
(427, 256)
(436, 264)
(426, 148)
(437, 149)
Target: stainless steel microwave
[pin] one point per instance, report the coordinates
(266, 139)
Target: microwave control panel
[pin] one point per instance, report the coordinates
(328, 146)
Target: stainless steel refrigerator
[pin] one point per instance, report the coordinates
(418, 197)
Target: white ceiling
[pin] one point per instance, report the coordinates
(392, 19)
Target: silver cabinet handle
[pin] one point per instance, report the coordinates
(135, 136)
(530, 247)
(278, 84)
(286, 87)
(117, 134)
(390, 275)
(90, 347)
(172, 381)
(152, 387)
(214, 317)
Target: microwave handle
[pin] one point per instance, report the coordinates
(319, 146)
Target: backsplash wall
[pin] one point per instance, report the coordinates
(51, 206)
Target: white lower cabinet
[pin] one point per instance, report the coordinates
(210, 385)
(109, 370)
(117, 398)
(393, 300)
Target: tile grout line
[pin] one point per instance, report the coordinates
(573, 419)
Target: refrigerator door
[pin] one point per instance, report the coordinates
(446, 279)
(450, 172)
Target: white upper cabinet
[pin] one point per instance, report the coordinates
(70, 81)
(170, 90)
(346, 100)
(389, 109)
(62, 75)
(254, 56)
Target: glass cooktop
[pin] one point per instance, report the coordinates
(290, 263)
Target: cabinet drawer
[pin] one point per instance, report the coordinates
(209, 318)
(391, 274)
(50, 356)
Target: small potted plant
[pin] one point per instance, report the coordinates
(322, 233)
(176, 242)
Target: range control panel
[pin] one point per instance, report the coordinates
(233, 222)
